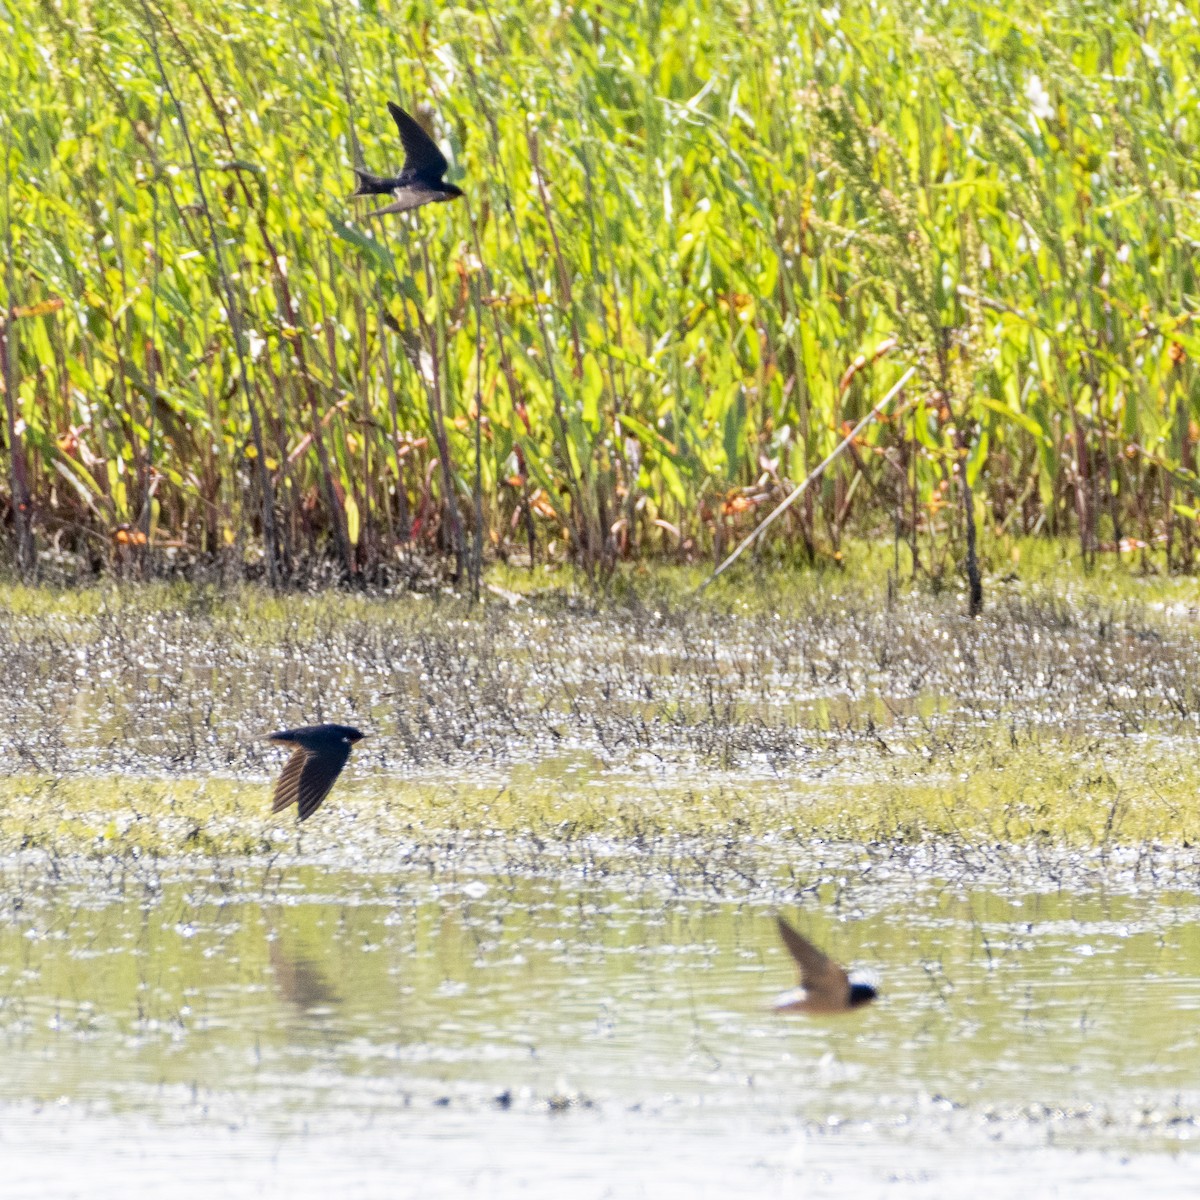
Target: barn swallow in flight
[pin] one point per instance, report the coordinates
(420, 180)
(824, 986)
(319, 753)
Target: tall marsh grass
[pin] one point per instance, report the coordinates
(698, 242)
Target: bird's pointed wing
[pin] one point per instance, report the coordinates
(287, 788)
(308, 776)
(420, 152)
(318, 776)
(820, 976)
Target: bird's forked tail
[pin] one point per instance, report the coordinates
(372, 185)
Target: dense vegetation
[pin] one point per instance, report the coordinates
(698, 240)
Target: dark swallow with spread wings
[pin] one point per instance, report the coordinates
(824, 986)
(420, 181)
(319, 752)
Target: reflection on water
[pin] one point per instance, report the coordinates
(533, 1033)
(302, 981)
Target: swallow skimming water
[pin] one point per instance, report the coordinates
(824, 986)
(319, 753)
(420, 180)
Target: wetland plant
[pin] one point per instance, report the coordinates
(667, 297)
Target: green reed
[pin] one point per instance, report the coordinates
(697, 241)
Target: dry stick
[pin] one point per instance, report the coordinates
(147, 484)
(121, 325)
(411, 342)
(514, 390)
(813, 475)
(95, 65)
(19, 478)
(337, 513)
(597, 536)
(368, 536)
(578, 507)
(270, 539)
(292, 317)
(435, 392)
(620, 395)
(597, 291)
(564, 278)
(477, 548)
(355, 149)
(237, 168)
(510, 377)
(389, 380)
(401, 489)
(295, 319)
(432, 387)
(915, 545)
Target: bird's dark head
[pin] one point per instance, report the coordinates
(350, 734)
(861, 993)
(450, 192)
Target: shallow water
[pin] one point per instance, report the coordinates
(448, 688)
(316, 1031)
(527, 947)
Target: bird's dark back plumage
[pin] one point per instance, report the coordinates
(317, 735)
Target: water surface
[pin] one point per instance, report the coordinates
(322, 1030)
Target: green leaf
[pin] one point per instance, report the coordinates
(673, 480)
(1024, 420)
(731, 430)
(651, 439)
(977, 458)
(592, 389)
(373, 250)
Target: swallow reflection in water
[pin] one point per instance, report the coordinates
(318, 756)
(824, 986)
(301, 981)
(420, 180)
